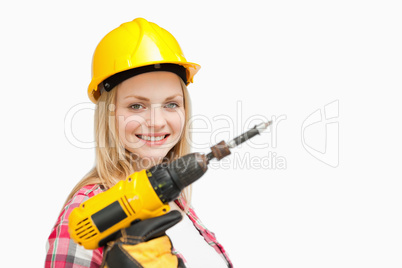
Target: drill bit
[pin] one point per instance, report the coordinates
(221, 149)
(249, 134)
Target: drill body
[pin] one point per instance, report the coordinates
(96, 220)
(143, 195)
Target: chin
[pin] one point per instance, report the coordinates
(147, 160)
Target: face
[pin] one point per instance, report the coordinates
(150, 115)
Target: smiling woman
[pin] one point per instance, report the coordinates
(142, 110)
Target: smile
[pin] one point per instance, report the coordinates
(155, 137)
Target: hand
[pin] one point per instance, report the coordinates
(144, 244)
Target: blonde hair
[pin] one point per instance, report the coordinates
(113, 162)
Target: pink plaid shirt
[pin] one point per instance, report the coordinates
(62, 251)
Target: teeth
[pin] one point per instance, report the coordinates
(151, 138)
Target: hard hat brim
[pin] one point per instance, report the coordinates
(190, 68)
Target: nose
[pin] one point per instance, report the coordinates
(156, 118)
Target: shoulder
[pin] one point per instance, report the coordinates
(86, 192)
(81, 196)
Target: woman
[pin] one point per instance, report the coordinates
(139, 78)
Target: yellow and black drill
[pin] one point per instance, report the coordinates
(143, 195)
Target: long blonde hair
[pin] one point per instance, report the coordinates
(113, 162)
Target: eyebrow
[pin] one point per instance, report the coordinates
(146, 99)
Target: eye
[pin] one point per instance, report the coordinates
(136, 106)
(171, 105)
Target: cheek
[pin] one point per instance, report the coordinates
(128, 125)
(176, 121)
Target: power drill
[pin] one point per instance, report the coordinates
(143, 195)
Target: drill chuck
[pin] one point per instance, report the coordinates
(169, 179)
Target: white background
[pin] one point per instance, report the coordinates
(272, 58)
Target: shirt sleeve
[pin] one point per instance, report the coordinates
(62, 251)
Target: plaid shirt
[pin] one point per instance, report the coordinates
(62, 251)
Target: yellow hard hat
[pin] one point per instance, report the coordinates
(136, 47)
